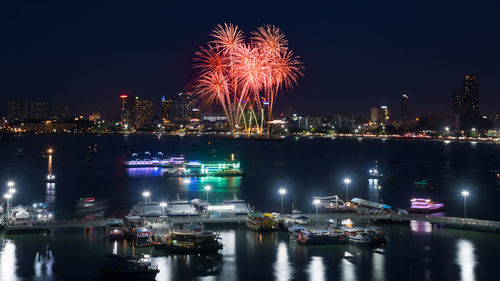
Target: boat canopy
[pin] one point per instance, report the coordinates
(371, 204)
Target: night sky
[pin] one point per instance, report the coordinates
(357, 54)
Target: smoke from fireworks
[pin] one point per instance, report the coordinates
(244, 76)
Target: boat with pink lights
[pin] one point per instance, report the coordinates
(421, 205)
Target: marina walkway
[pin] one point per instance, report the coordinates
(456, 222)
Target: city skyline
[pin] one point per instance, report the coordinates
(351, 62)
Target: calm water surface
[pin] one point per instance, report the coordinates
(306, 167)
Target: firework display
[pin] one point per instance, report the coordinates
(244, 76)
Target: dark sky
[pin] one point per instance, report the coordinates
(357, 54)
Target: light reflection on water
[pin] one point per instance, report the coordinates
(282, 268)
(466, 260)
(43, 264)
(347, 271)
(378, 266)
(8, 261)
(421, 226)
(316, 269)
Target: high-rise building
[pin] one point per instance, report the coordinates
(404, 106)
(167, 109)
(457, 102)
(60, 112)
(380, 115)
(17, 110)
(183, 107)
(126, 111)
(144, 112)
(343, 122)
(470, 97)
(39, 110)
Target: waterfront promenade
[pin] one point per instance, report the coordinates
(435, 221)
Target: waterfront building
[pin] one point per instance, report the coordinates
(404, 106)
(126, 111)
(144, 112)
(470, 97)
(96, 116)
(17, 110)
(342, 122)
(39, 110)
(457, 102)
(183, 108)
(167, 110)
(60, 112)
(380, 115)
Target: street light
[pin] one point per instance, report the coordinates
(447, 129)
(50, 151)
(347, 181)
(316, 203)
(378, 187)
(163, 204)
(282, 193)
(146, 195)
(465, 193)
(10, 184)
(12, 190)
(207, 189)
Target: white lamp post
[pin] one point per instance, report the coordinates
(378, 187)
(207, 189)
(465, 193)
(347, 181)
(316, 203)
(282, 193)
(146, 195)
(163, 204)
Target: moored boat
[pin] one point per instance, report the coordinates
(365, 236)
(115, 229)
(143, 237)
(262, 222)
(189, 242)
(139, 268)
(322, 237)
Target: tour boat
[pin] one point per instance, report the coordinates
(132, 223)
(181, 208)
(115, 229)
(189, 242)
(322, 237)
(139, 268)
(374, 172)
(146, 209)
(332, 204)
(143, 237)
(365, 236)
(261, 222)
(420, 205)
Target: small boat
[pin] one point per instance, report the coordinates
(373, 172)
(423, 183)
(293, 232)
(132, 223)
(51, 178)
(115, 229)
(365, 236)
(189, 242)
(143, 237)
(420, 205)
(322, 237)
(139, 268)
(262, 222)
(19, 151)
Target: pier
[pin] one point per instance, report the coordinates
(435, 221)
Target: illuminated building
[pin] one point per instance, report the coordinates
(470, 97)
(167, 109)
(17, 110)
(457, 102)
(404, 106)
(343, 122)
(95, 117)
(380, 115)
(144, 112)
(126, 111)
(60, 112)
(183, 108)
(39, 110)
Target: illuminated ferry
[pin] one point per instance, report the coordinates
(158, 161)
(203, 169)
(420, 205)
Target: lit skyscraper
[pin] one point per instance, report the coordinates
(470, 97)
(457, 102)
(39, 110)
(144, 112)
(126, 111)
(17, 110)
(167, 109)
(404, 106)
(380, 115)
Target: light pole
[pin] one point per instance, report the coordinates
(347, 181)
(163, 204)
(10, 184)
(316, 203)
(146, 195)
(378, 187)
(282, 193)
(8, 196)
(465, 193)
(207, 189)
